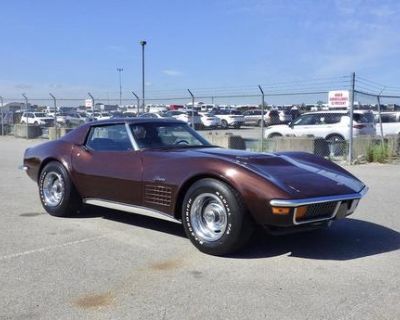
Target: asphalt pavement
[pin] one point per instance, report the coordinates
(112, 265)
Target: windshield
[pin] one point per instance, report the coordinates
(166, 135)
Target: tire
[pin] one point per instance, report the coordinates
(23, 122)
(237, 126)
(224, 124)
(336, 144)
(259, 123)
(57, 192)
(35, 123)
(214, 218)
(274, 135)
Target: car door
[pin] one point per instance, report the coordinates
(305, 125)
(107, 167)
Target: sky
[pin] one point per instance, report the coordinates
(72, 47)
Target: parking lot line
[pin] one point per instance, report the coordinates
(43, 249)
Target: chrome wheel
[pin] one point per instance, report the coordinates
(208, 217)
(53, 189)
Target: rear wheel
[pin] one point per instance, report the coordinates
(214, 217)
(57, 192)
(224, 124)
(274, 136)
(260, 122)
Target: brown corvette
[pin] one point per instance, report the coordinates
(164, 168)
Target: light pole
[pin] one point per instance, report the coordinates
(120, 85)
(143, 44)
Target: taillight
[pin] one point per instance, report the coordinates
(359, 126)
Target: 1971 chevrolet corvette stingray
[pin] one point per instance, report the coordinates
(162, 167)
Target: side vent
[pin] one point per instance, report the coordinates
(156, 194)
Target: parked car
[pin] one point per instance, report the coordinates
(229, 118)
(390, 123)
(71, 119)
(330, 125)
(38, 118)
(163, 168)
(285, 116)
(101, 116)
(208, 120)
(189, 117)
(154, 115)
(253, 117)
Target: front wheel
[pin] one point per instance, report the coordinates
(57, 192)
(214, 218)
(224, 124)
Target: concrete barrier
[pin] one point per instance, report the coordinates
(279, 144)
(30, 131)
(227, 140)
(55, 133)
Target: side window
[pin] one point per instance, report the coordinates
(306, 120)
(331, 118)
(109, 138)
(387, 118)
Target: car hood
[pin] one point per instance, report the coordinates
(299, 174)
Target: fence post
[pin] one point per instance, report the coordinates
(2, 116)
(192, 107)
(55, 111)
(380, 118)
(262, 118)
(137, 101)
(26, 110)
(91, 97)
(353, 82)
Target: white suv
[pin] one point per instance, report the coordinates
(229, 119)
(38, 118)
(330, 125)
(390, 123)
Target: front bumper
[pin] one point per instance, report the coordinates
(318, 209)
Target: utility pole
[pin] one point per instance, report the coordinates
(143, 44)
(262, 118)
(91, 97)
(190, 92)
(138, 101)
(353, 84)
(120, 85)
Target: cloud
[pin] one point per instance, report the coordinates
(172, 73)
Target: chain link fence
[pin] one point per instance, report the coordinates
(287, 116)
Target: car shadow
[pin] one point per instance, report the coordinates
(134, 220)
(346, 240)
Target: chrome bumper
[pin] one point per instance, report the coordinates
(338, 212)
(305, 201)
